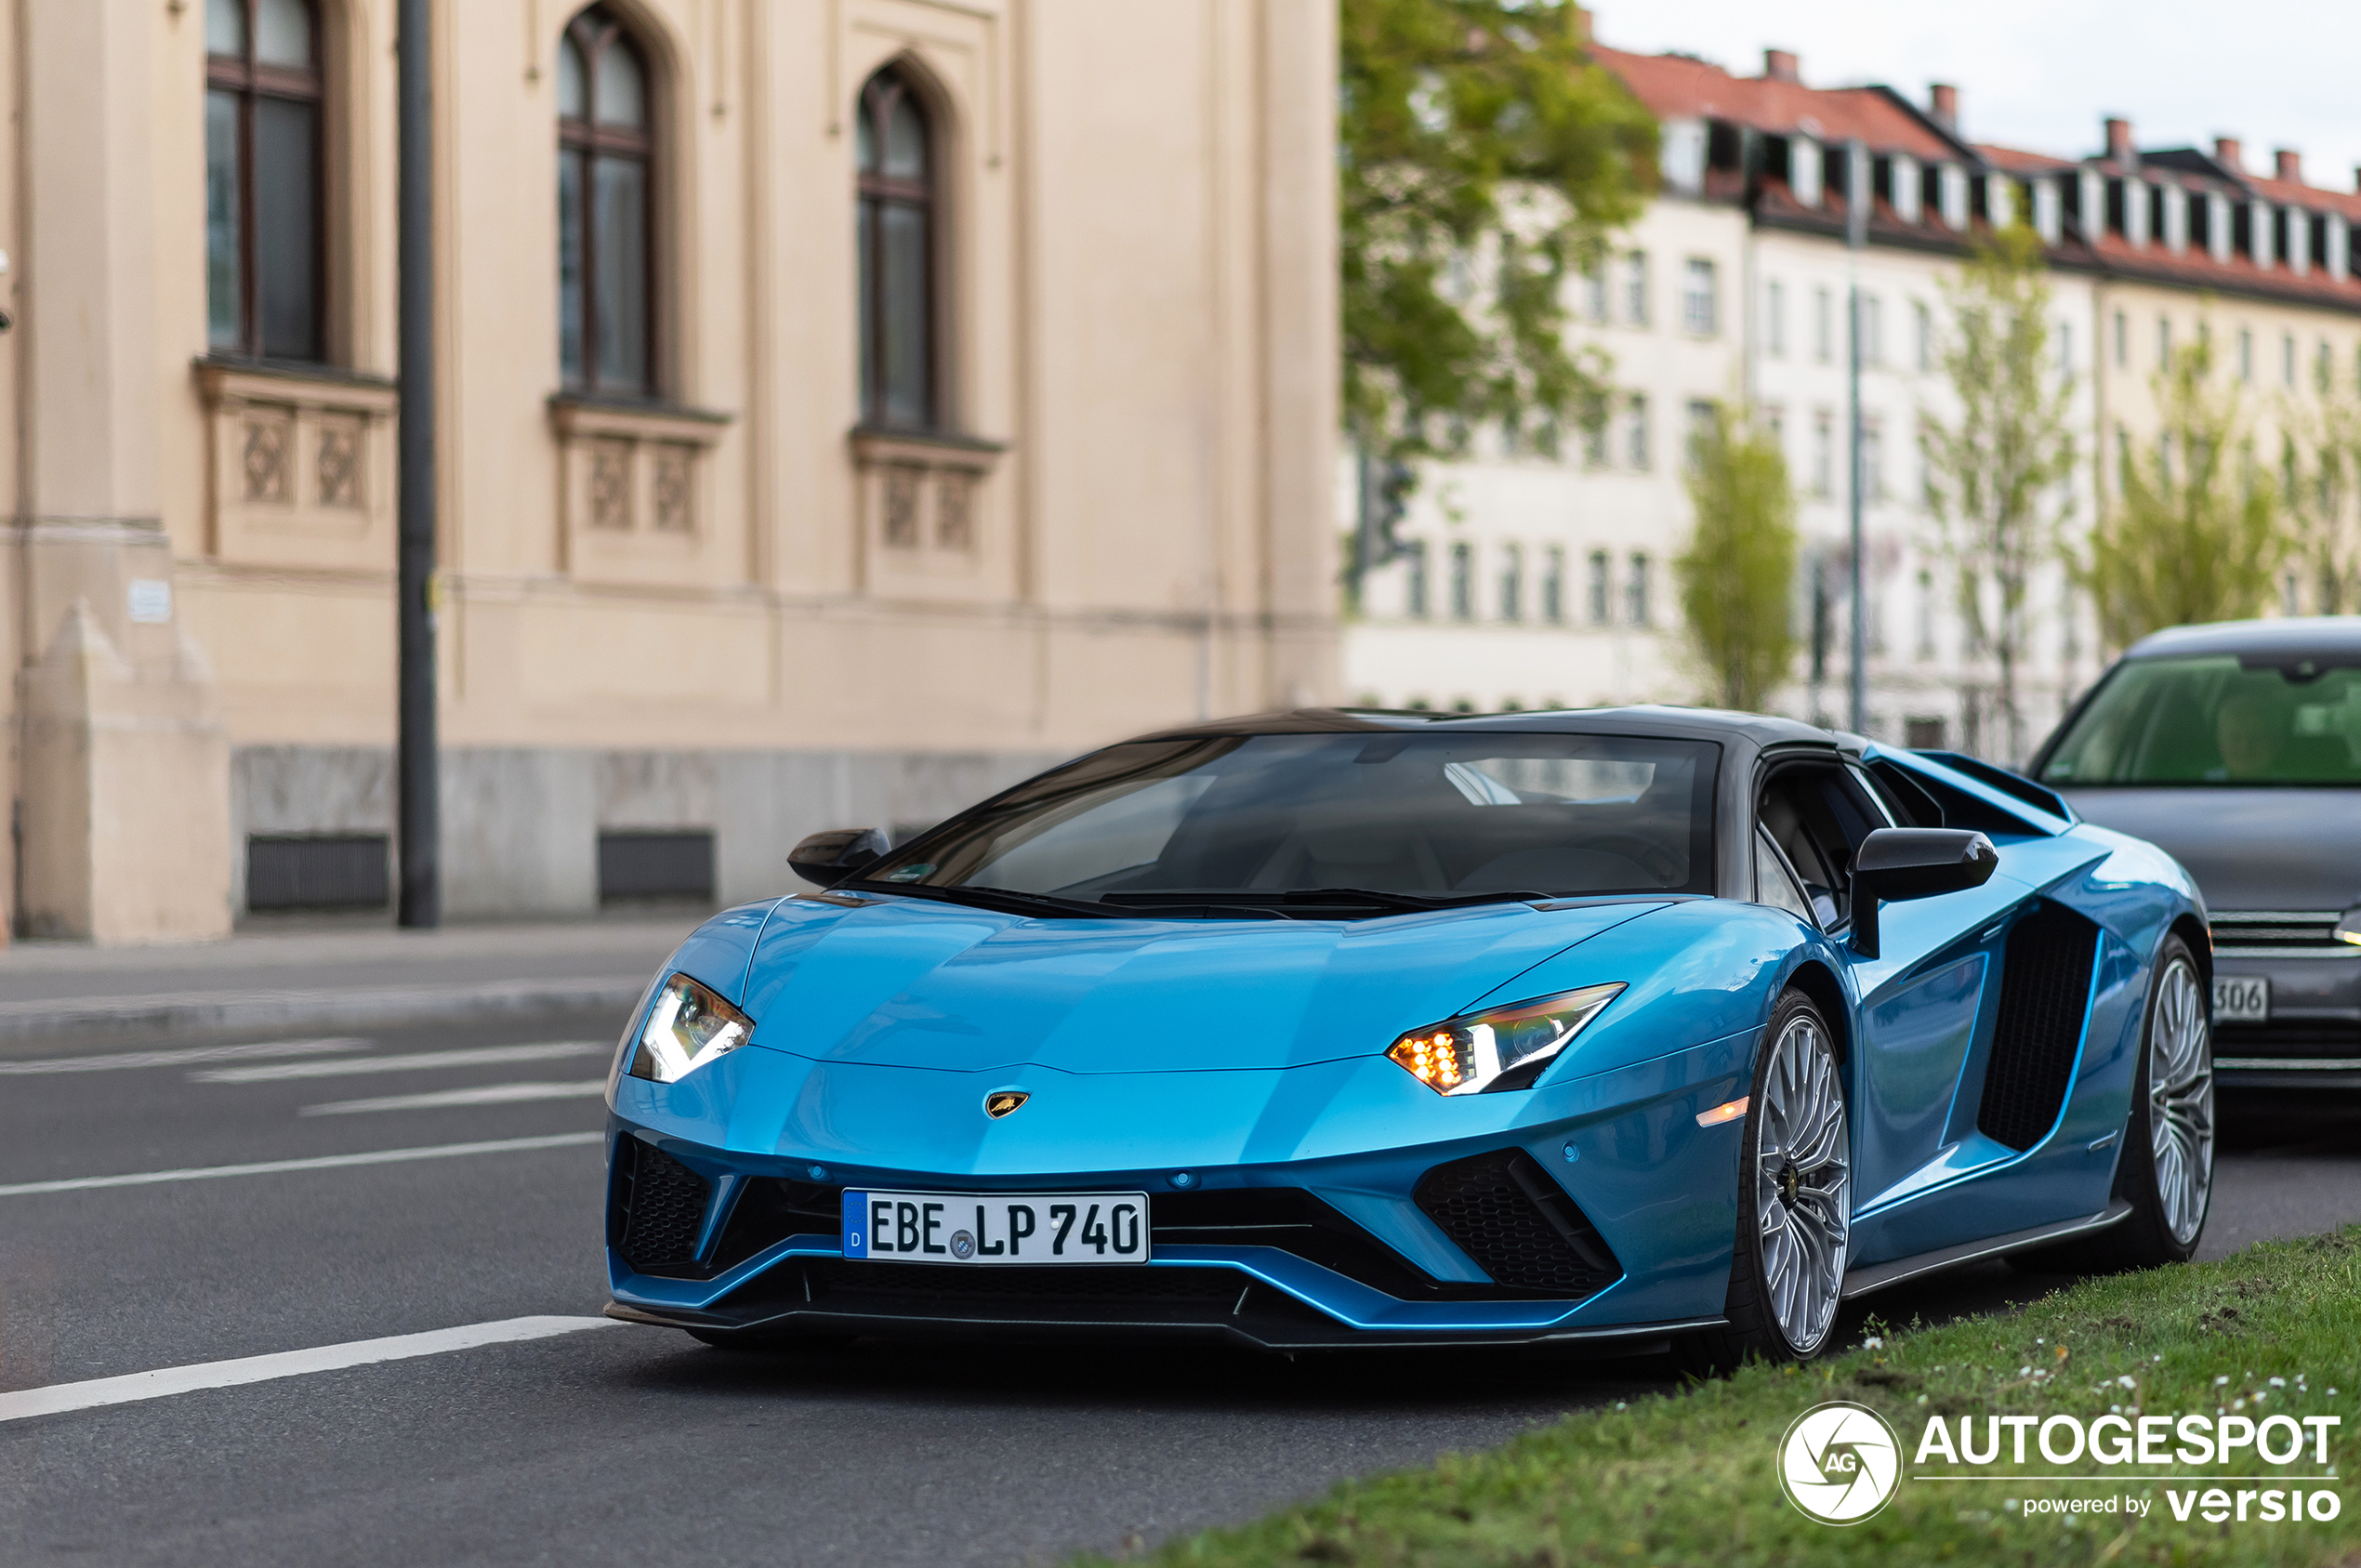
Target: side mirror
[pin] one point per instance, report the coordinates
(1914, 863)
(828, 857)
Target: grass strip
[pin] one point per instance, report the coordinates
(1691, 1477)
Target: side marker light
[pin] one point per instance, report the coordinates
(1729, 1110)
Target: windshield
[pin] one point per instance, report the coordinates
(2218, 720)
(1254, 818)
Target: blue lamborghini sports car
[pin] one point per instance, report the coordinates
(1645, 1026)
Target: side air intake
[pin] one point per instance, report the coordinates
(1503, 1210)
(658, 1209)
(2045, 990)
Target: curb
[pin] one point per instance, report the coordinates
(218, 1012)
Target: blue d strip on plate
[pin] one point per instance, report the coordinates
(856, 1224)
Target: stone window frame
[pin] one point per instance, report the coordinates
(249, 82)
(875, 191)
(592, 31)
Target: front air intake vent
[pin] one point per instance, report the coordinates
(2045, 989)
(1503, 1210)
(659, 1209)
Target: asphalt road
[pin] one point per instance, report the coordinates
(616, 1444)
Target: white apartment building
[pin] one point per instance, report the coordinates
(1535, 578)
(1536, 569)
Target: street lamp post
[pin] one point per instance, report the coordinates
(1856, 234)
(419, 897)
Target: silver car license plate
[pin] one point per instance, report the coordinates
(2241, 999)
(1030, 1227)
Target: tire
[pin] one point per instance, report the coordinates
(1795, 1215)
(2166, 1170)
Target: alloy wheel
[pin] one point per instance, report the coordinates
(2181, 1101)
(1803, 1185)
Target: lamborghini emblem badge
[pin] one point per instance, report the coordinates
(1001, 1102)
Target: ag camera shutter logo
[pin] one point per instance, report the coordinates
(1839, 1462)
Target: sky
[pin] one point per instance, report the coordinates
(2042, 73)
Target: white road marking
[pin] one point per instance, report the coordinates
(423, 1061)
(489, 1093)
(60, 1397)
(323, 1162)
(181, 1056)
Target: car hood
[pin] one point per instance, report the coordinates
(2249, 849)
(911, 983)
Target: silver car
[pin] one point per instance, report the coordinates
(2237, 748)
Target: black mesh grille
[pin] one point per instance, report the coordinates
(2294, 1038)
(2044, 990)
(317, 871)
(1503, 1210)
(656, 865)
(768, 1211)
(659, 1208)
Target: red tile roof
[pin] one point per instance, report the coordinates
(2194, 267)
(2289, 194)
(2018, 161)
(1676, 87)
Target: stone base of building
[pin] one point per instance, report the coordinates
(554, 833)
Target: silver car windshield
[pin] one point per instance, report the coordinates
(2215, 720)
(1456, 814)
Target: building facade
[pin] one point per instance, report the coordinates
(844, 409)
(1748, 240)
(2150, 252)
(1536, 565)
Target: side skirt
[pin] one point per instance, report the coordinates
(1877, 1276)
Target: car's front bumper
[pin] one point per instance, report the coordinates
(1606, 1207)
(2312, 1036)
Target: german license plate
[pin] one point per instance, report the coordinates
(1031, 1228)
(2242, 999)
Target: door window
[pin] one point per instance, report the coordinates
(1774, 884)
(1818, 814)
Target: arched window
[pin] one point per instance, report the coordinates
(896, 246)
(605, 323)
(263, 241)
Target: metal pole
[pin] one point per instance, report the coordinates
(420, 894)
(1856, 234)
(1365, 521)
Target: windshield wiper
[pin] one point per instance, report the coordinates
(1005, 900)
(1309, 898)
(1407, 900)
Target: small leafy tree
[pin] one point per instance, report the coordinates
(1474, 131)
(2195, 531)
(1737, 576)
(1997, 474)
(2320, 461)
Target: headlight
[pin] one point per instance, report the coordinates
(1501, 1048)
(688, 1028)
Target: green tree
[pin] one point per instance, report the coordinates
(2195, 531)
(1996, 472)
(2320, 458)
(1737, 573)
(1473, 132)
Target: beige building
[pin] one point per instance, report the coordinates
(846, 406)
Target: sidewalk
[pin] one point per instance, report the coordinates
(327, 977)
